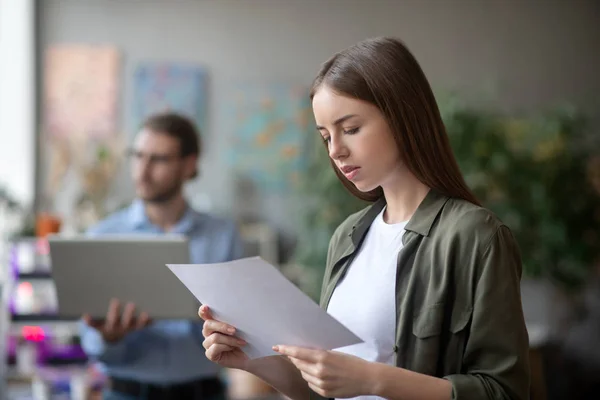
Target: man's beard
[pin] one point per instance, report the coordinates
(164, 196)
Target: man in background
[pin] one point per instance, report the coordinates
(162, 359)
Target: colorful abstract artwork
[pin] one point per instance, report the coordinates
(271, 125)
(81, 90)
(82, 141)
(162, 87)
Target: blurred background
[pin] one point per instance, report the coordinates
(517, 83)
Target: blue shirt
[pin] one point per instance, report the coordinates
(166, 352)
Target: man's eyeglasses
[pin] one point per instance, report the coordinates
(152, 158)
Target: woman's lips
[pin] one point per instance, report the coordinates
(350, 171)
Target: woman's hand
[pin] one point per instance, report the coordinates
(222, 347)
(331, 374)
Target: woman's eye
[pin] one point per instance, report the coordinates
(326, 139)
(351, 131)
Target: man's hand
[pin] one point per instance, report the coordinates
(116, 325)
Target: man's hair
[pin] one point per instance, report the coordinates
(180, 128)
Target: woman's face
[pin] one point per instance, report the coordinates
(359, 139)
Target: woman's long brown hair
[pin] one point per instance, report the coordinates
(383, 72)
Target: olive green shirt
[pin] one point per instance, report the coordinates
(458, 302)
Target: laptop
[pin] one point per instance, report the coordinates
(90, 271)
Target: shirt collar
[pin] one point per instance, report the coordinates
(421, 221)
(427, 212)
(139, 219)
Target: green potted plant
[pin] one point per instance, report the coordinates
(534, 173)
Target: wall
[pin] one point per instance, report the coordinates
(530, 53)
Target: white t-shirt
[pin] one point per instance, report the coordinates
(365, 299)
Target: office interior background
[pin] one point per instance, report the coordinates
(517, 83)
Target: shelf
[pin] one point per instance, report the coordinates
(34, 276)
(36, 319)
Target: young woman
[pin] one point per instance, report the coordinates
(425, 276)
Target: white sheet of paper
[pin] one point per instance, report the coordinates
(265, 307)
